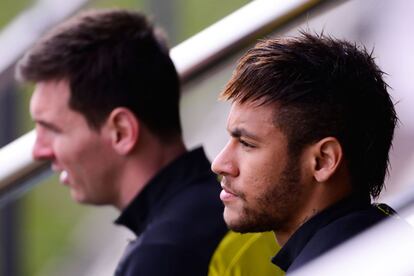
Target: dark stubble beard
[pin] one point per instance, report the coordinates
(274, 206)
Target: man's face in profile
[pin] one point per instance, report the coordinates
(81, 155)
(260, 181)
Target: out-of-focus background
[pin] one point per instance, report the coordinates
(45, 233)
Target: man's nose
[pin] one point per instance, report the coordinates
(224, 163)
(42, 149)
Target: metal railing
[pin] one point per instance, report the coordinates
(191, 58)
(27, 27)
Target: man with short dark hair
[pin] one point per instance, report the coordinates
(311, 125)
(106, 112)
(106, 109)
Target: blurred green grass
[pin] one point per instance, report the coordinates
(197, 15)
(48, 213)
(49, 217)
(9, 9)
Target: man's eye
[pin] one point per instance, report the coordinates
(245, 144)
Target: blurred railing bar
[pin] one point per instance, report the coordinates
(241, 28)
(403, 200)
(27, 27)
(192, 57)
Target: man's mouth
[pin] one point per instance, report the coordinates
(226, 194)
(64, 177)
(63, 174)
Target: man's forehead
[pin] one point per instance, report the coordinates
(249, 111)
(250, 115)
(49, 96)
(51, 89)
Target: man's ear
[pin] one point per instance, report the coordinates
(124, 130)
(326, 156)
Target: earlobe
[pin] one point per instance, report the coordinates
(328, 155)
(124, 128)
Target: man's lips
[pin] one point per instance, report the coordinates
(226, 194)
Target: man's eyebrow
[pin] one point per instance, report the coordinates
(241, 132)
(48, 125)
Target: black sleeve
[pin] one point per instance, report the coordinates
(161, 260)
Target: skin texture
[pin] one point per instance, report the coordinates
(265, 188)
(260, 180)
(109, 166)
(65, 139)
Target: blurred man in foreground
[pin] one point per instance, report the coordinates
(106, 109)
(311, 125)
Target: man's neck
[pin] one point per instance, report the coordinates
(144, 165)
(316, 204)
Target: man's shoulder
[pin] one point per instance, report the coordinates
(195, 183)
(192, 196)
(340, 230)
(354, 222)
(188, 225)
(152, 258)
(174, 242)
(196, 200)
(184, 226)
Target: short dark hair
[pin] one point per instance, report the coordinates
(110, 58)
(323, 87)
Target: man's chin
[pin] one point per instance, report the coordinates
(83, 199)
(78, 197)
(236, 222)
(243, 223)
